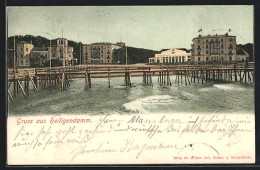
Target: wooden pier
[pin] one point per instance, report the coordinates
(184, 75)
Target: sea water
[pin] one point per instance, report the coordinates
(213, 97)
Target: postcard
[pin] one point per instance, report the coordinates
(124, 85)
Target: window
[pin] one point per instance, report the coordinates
(21, 55)
(21, 49)
(206, 40)
(198, 58)
(207, 52)
(230, 58)
(211, 40)
(198, 41)
(214, 48)
(207, 58)
(26, 49)
(108, 61)
(198, 52)
(221, 52)
(27, 62)
(96, 53)
(207, 46)
(221, 45)
(22, 62)
(230, 39)
(221, 39)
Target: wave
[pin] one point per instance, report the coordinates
(205, 89)
(187, 96)
(228, 87)
(140, 105)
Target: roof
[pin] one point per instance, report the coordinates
(23, 42)
(106, 43)
(61, 39)
(101, 43)
(178, 51)
(40, 49)
(214, 36)
(184, 49)
(163, 50)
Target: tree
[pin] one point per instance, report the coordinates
(134, 55)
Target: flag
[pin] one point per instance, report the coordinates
(229, 30)
(200, 30)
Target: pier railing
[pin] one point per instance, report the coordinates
(185, 74)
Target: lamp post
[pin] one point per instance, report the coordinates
(126, 55)
(80, 53)
(50, 55)
(14, 59)
(63, 49)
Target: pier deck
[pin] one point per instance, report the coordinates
(187, 75)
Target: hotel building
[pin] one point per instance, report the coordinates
(216, 48)
(27, 53)
(23, 51)
(99, 52)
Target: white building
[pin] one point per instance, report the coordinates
(172, 56)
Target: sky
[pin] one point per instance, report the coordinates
(150, 27)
